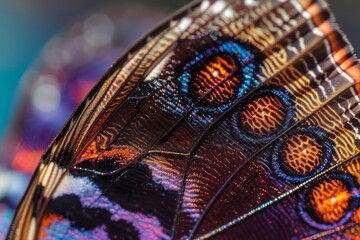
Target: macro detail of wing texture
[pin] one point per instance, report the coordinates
(234, 119)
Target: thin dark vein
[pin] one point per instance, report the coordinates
(146, 98)
(70, 129)
(165, 85)
(196, 144)
(242, 165)
(273, 201)
(231, 108)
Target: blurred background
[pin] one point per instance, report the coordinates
(52, 52)
(27, 25)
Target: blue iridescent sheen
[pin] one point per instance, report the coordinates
(246, 68)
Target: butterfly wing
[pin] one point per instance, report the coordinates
(214, 125)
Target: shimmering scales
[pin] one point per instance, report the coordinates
(104, 160)
(330, 200)
(217, 78)
(302, 154)
(121, 154)
(208, 108)
(263, 116)
(217, 72)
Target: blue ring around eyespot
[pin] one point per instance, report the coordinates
(316, 133)
(303, 201)
(243, 56)
(285, 98)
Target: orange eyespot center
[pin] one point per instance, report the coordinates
(330, 200)
(264, 115)
(218, 79)
(302, 154)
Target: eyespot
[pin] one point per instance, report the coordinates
(329, 202)
(206, 75)
(301, 155)
(261, 117)
(219, 71)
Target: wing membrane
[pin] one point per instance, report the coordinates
(222, 118)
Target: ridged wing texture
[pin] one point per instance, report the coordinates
(234, 119)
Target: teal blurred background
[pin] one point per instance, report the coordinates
(26, 25)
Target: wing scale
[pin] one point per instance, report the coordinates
(226, 98)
